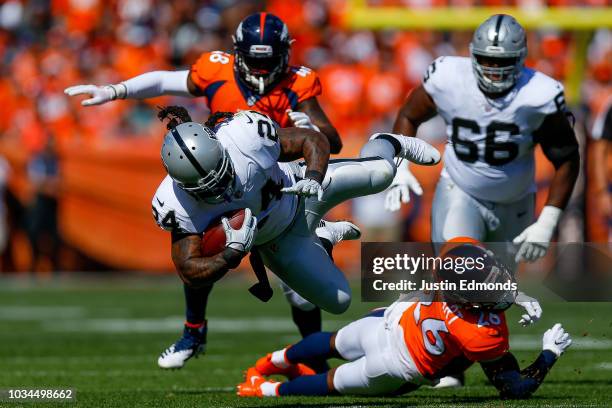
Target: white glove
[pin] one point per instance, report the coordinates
(399, 191)
(301, 120)
(99, 94)
(535, 239)
(556, 339)
(305, 187)
(241, 239)
(532, 308)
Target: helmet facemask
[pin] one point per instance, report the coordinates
(496, 74)
(488, 270)
(260, 67)
(217, 186)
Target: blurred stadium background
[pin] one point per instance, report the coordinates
(78, 181)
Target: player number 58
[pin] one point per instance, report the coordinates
(218, 56)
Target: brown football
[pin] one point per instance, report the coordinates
(213, 240)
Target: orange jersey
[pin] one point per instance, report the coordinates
(436, 333)
(213, 73)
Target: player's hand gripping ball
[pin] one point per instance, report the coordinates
(236, 230)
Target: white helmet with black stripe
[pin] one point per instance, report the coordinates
(197, 162)
(498, 49)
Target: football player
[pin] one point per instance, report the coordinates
(257, 76)
(496, 110)
(211, 172)
(411, 343)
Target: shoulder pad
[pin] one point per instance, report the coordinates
(169, 208)
(209, 66)
(306, 83)
(254, 134)
(444, 70)
(544, 93)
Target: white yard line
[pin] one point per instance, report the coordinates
(16, 313)
(528, 342)
(173, 324)
(170, 324)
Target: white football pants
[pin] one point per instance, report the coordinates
(455, 213)
(373, 367)
(297, 256)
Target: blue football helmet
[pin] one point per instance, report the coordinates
(261, 46)
(483, 268)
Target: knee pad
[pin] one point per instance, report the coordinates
(342, 303)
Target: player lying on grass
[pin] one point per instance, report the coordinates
(236, 165)
(257, 76)
(408, 344)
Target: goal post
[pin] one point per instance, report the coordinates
(582, 21)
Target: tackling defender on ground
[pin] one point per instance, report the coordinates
(412, 343)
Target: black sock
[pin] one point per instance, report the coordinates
(327, 245)
(196, 301)
(397, 146)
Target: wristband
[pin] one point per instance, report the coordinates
(120, 90)
(314, 175)
(232, 257)
(549, 216)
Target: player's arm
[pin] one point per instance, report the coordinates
(560, 147)
(419, 107)
(147, 85)
(311, 145)
(198, 270)
(559, 144)
(512, 382)
(315, 118)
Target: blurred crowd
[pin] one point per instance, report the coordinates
(48, 45)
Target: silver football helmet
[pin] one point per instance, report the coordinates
(197, 162)
(498, 50)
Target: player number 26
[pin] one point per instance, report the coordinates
(430, 330)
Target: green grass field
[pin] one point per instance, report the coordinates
(102, 337)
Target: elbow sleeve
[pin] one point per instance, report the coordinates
(157, 83)
(514, 387)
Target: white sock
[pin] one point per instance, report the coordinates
(268, 389)
(278, 358)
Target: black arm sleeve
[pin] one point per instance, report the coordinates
(557, 138)
(506, 376)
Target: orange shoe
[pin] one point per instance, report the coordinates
(251, 387)
(265, 367)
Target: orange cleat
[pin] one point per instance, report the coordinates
(252, 386)
(265, 367)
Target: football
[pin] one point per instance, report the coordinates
(213, 240)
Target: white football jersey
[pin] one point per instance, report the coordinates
(489, 153)
(251, 141)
